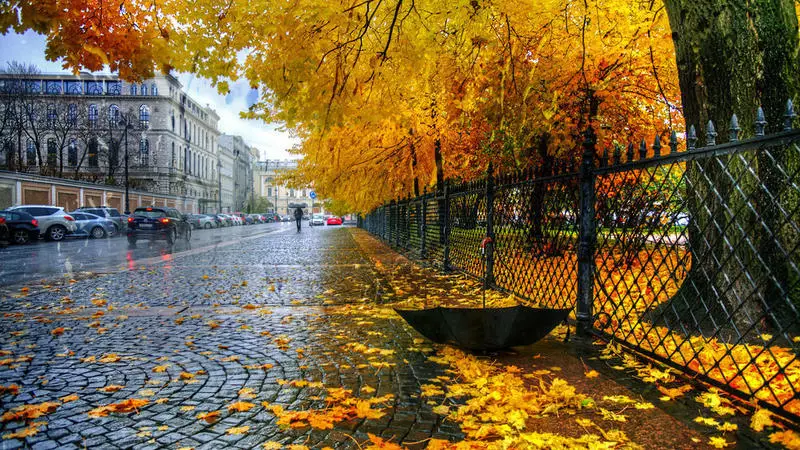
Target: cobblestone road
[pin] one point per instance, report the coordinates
(248, 315)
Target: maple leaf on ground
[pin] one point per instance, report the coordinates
(58, 331)
(364, 410)
(110, 358)
(718, 442)
(209, 417)
(12, 389)
(125, 406)
(238, 430)
(377, 443)
(160, 369)
(675, 392)
(320, 421)
(240, 406)
(112, 388)
(69, 398)
(272, 445)
(28, 412)
(592, 374)
(23, 433)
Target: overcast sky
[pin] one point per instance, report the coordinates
(272, 143)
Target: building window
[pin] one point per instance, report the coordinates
(72, 153)
(269, 192)
(30, 153)
(153, 89)
(113, 116)
(51, 116)
(52, 152)
(94, 87)
(33, 86)
(173, 121)
(144, 89)
(144, 152)
(93, 150)
(172, 161)
(73, 87)
(53, 87)
(72, 114)
(113, 87)
(133, 89)
(92, 116)
(144, 116)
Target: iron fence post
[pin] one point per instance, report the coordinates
(488, 277)
(423, 219)
(446, 228)
(587, 236)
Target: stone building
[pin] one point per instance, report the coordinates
(88, 126)
(267, 184)
(241, 170)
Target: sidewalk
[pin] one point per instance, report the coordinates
(287, 340)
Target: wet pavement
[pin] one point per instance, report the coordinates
(249, 327)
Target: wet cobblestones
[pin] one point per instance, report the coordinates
(193, 331)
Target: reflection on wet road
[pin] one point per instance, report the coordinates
(21, 263)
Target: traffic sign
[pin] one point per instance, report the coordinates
(313, 195)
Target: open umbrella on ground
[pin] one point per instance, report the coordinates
(484, 328)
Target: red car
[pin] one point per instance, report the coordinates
(334, 221)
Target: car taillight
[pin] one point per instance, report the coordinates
(130, 219)
(35, 222)
(164, 220)
(2, 220)
(69, 218)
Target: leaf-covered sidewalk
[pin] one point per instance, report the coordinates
(289, 341)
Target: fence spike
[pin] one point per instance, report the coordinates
(630, 152)
(643, 149)
(617, 153)
(604, 158)
(711, 134)
(761, 122)
(734, 129)
(657, 146)
(673, 142)
(691, 139)
(788, 117)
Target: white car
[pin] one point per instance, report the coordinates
(317, 219)
(54, 223)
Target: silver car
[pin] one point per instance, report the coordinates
(90, 225)
(54, 223)
(120, 221)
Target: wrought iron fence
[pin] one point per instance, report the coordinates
(689, 257)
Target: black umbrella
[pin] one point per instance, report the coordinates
(484, 328)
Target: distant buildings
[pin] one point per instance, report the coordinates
(268, 185)
(87, 127)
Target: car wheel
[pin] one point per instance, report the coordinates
(20, 237)
(188, 234)
(56, 233)
(98, 233)
(207, 225)
(171, 236)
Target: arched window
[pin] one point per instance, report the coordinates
(93, 150)
(153, 89)
(144, 152)
(173, 121)
(144, 116)
(172, 161)
(52, 152)
(133, 89)
(113, 116)
(51, 115)
(72, 114)
(30, 153)
(92, 116)
(144, 89)
(72, 153)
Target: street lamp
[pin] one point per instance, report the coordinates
(124, 121)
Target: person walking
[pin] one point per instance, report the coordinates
(298, 217)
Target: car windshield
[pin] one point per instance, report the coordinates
(151, 213)
(318, 216)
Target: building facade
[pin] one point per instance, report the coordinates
(267, 184)
(241, 170)
(93, 127)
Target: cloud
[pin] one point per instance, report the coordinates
(269, 139)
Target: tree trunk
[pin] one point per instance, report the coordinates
(733, 56)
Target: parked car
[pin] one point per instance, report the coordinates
(317, 219)
(333, 220)
(201, 221)
(218, 220)
(93, 226)
(54, 223)
(22, 227)
(120, 220)
(158, 223)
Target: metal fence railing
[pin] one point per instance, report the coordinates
(690, 257)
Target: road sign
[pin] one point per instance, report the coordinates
(313, 195)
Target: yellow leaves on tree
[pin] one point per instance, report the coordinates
(125, 406)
